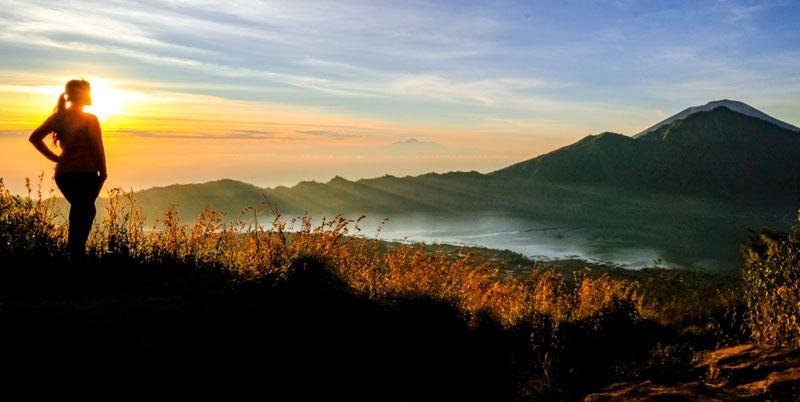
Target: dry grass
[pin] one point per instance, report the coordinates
(252, 251)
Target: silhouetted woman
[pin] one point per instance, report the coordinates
(81, 166)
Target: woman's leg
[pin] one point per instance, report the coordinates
(81, 191)
(81, 216)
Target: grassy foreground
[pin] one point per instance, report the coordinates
(307, 311)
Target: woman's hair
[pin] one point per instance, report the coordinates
(76, 91)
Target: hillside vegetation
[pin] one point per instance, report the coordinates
(406, 322)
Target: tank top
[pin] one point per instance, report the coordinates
(76, 146)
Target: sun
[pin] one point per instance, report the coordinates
(107, 101)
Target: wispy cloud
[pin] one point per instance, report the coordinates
(228, 135)
(313, 38)
(234, 134)
(367, 58)
(734, 11)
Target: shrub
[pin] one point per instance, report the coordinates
(771, 275)
(27, 224)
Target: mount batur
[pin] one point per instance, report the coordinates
(691, 186)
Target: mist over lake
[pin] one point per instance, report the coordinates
(535, 239)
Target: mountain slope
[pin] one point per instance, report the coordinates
(719, 154)
(228, 196)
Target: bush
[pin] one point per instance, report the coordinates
(26, 224)
(771, 277)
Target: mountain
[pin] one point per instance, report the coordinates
(691, 187)
(716, 154)
(736, 106)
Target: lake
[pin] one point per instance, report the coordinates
(534, 239)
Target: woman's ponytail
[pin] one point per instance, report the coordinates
(62, 103)
(61, 106)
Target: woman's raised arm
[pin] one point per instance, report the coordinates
(37, 139)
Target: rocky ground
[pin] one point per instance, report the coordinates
(740, 373)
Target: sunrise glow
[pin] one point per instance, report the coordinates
(107, 101)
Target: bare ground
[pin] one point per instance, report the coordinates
(739, 373)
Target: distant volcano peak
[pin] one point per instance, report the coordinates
(736, 106)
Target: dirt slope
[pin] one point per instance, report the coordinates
(740, 373)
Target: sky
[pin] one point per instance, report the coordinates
(275, 92)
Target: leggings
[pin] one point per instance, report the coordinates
(80, 189)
